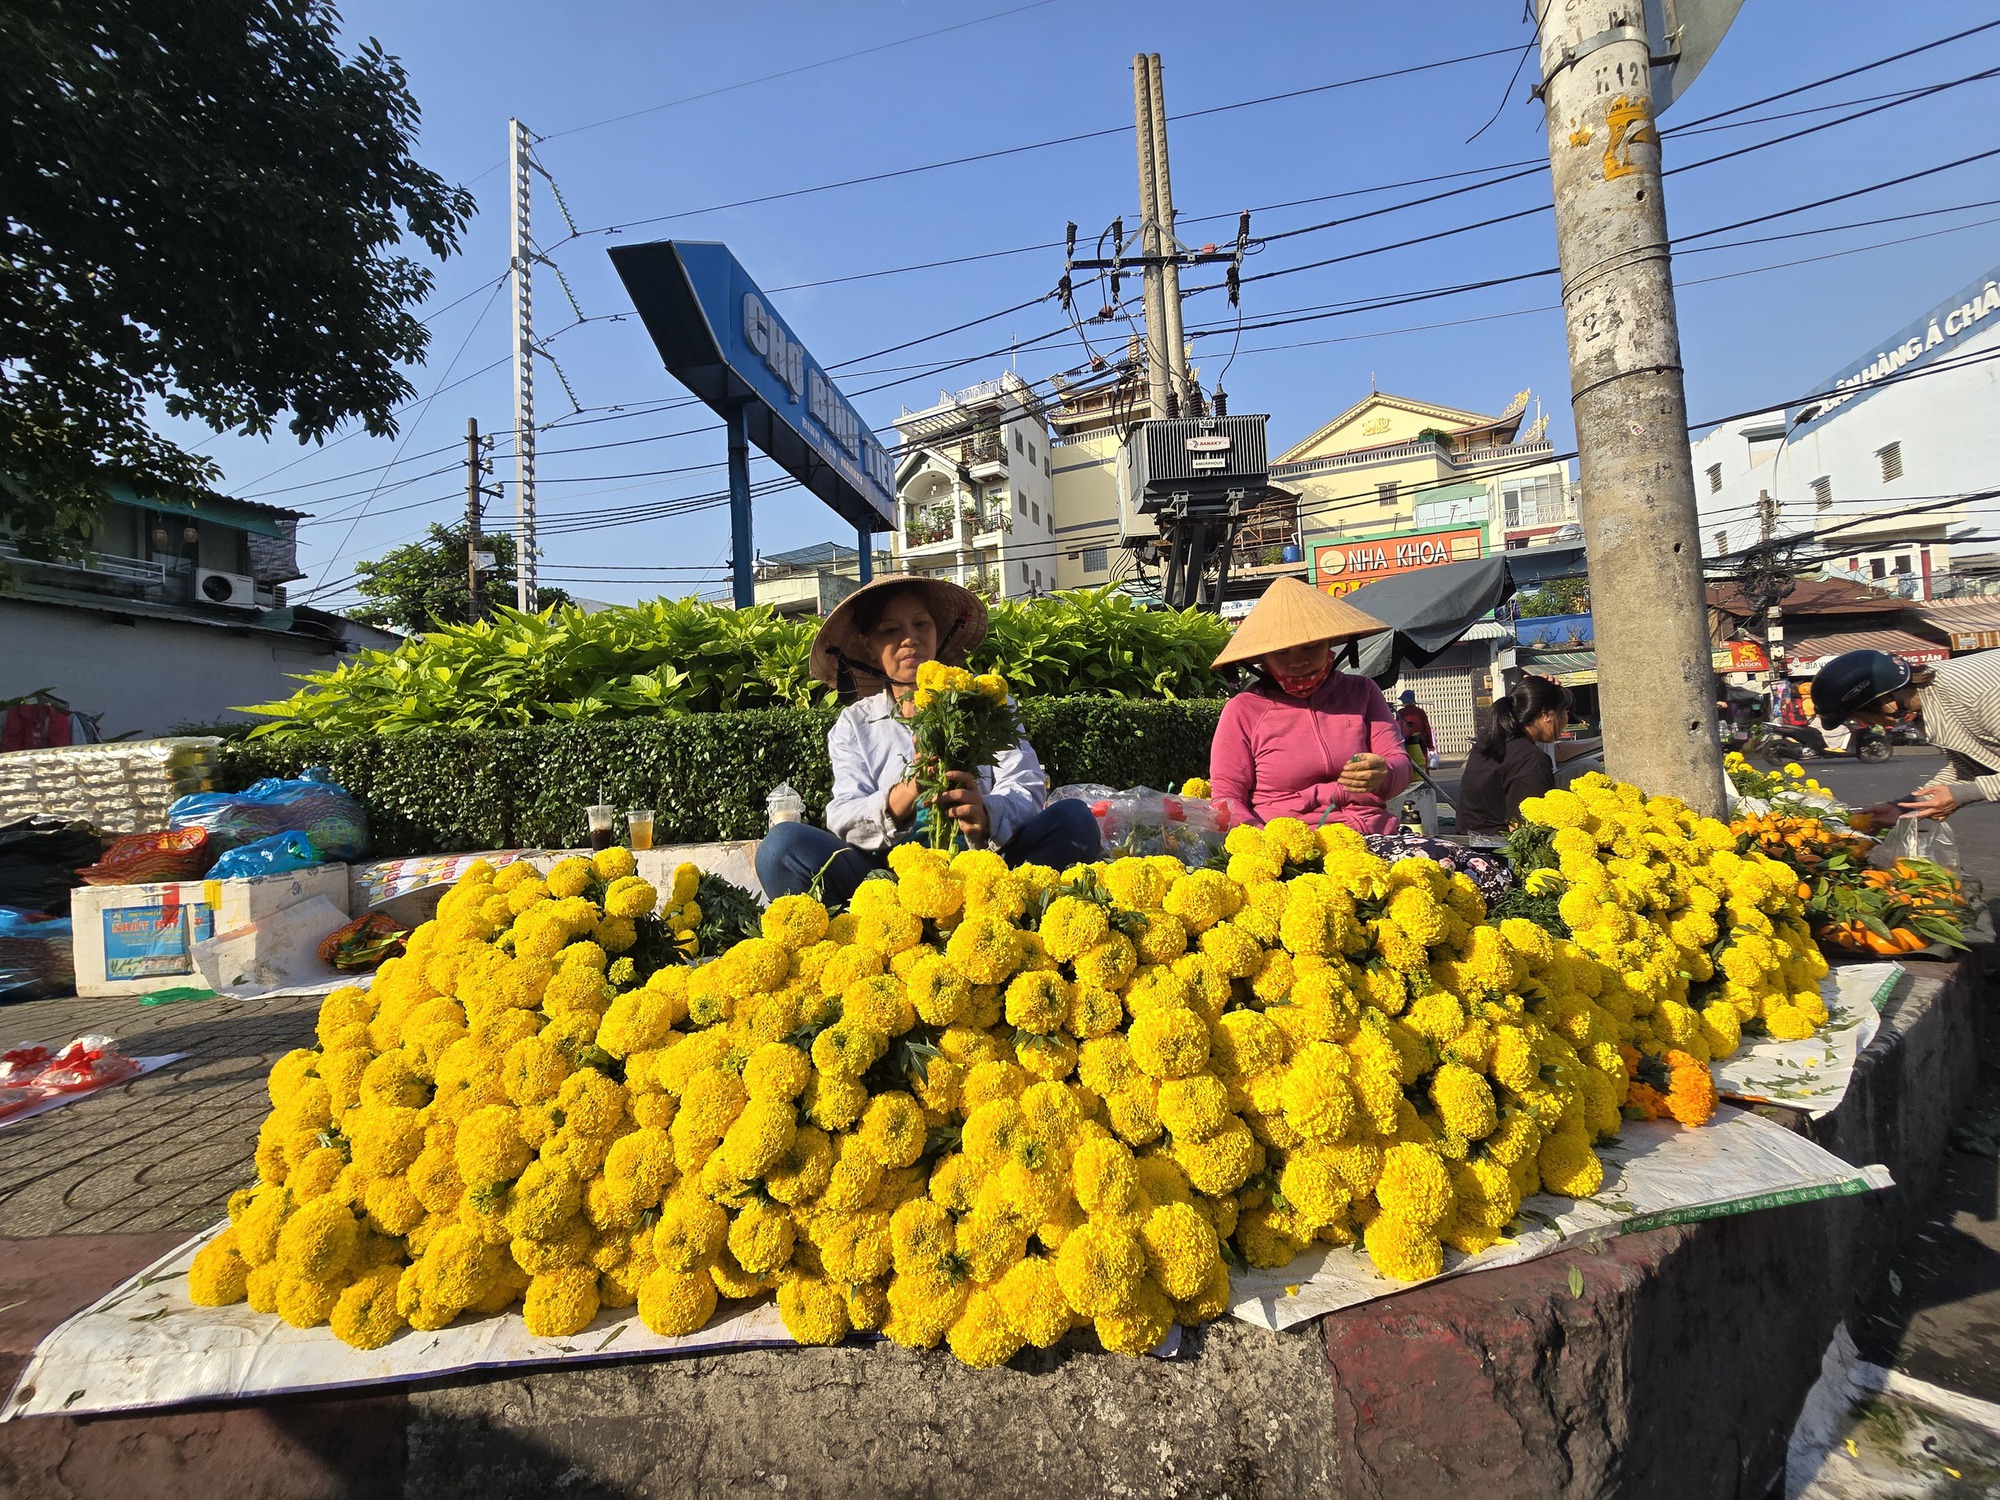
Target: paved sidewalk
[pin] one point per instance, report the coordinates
(163, 1152)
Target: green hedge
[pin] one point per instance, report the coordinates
(434, 791)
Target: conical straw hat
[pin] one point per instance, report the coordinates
(1294, 613)
(960, 616)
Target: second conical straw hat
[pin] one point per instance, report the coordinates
(1294, 613)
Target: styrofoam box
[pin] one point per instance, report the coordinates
(133, 939)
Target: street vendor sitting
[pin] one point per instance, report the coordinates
(1306, 740)
(869, 650)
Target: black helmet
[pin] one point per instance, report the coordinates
(1852, 681)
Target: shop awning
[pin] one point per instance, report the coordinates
(1570, 668)
(1803, 657)
(1972, 624)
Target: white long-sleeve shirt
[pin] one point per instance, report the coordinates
(871, 748)
(1962, 718)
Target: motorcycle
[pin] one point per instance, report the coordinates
(1775, 744)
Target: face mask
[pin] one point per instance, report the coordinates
(1302, 687)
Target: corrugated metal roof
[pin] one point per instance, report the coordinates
(1818, 648)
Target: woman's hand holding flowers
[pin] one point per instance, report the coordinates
(1365, 773)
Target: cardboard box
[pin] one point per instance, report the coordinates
(133, 939)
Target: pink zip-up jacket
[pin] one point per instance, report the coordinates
(1277, 756)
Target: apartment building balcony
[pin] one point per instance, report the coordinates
(1472, 459)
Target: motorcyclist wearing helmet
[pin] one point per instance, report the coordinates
(1957, 702)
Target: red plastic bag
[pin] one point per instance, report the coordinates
(89, 1062)
(153, 858)
(20, 1064)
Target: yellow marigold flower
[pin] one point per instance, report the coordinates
(1317, 1098)
(674, 1303)
(1109, 963)
(1104, 1176)
(1038, 1002)
(892, 1129)
(1264, 1241)
(922, 1307)
(1094, 1011)
(777, 1071)
(218, 1275)
(1072, 925)
(991, 686)
(1099, 1269)
(1135, 883)
(1134, 1111)
(1169, 1044)
(1201, 898)
(794, 922)
(1193, 1108)
(855, 1176)
(814, 1311)
(1401, 1249)
(889, 930)
(982, 1337)
(1313, 1184)
(833, 1102)
(848, 1048)
(939, 994)
(1031, 1299)
(1221, 1163)
(985, 949)
(1181, 1249)
(365, 1315)
(1245, 1042)
(1569, 1167)
(1788, 1023)
(761, 1238)
(560, 1303)
(1416, 1186)
(1464, 1102)
(1105, 1064)
(319, 1241)
(879, 1004)
(571, 877)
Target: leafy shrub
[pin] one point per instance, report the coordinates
(681, 656)
(439, 790)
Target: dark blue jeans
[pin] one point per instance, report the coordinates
(792, 855)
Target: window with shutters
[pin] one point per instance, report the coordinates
(1715, 479)
(1892, 461)
(1822, 489)
(1386, 493)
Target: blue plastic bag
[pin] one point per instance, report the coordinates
(336, 822)
(276, 855)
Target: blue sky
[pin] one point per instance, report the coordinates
(1059, 68)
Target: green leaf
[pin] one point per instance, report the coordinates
(1575, 1281)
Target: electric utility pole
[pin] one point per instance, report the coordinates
(1650, 615)
(522, 255)
(477, 560)
(1179, 388)
(1158, 376)
(1776, 586)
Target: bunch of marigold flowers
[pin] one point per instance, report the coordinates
(983, 1106)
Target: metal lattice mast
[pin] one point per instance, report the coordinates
(521, 264)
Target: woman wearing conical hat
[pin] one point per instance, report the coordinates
(1306, 740)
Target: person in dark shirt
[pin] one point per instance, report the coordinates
(1507, 764)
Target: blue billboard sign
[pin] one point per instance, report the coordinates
(720, 337)
(1929, 338)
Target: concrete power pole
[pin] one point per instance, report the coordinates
(1649, 605)
(522, 254)
(473, 493)
(1774, 630)
(1161, 211)
(1158, 370)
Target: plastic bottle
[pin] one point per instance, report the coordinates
(786, 805)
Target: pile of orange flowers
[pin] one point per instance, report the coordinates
(1851, 904)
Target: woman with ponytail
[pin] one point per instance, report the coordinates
(1507, 764)
(869, 650)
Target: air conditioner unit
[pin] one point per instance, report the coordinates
(230, 590)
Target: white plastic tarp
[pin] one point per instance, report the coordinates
(1656, 1173)
(1813, 1074)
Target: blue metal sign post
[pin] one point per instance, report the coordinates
(718, 335)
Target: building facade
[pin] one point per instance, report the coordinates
(177, 614)
(1868, 473)
(975, 491)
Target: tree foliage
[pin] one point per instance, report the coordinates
(1558, 596)
(205, 207)
(422, 586)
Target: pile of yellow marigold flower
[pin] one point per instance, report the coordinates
(987, 1106)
